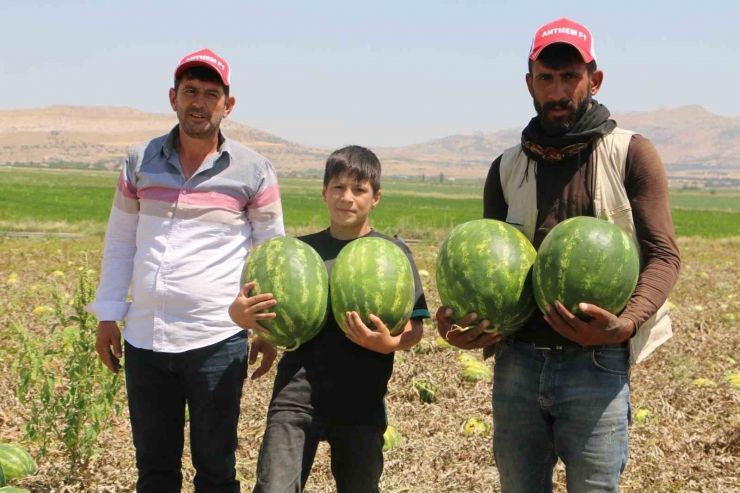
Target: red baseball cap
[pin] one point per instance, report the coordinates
(205, 58)
(564, 31)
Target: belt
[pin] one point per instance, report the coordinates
(549, 346)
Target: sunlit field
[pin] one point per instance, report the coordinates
(80, 200)
(685, 432)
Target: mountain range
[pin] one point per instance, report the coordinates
(95, 136)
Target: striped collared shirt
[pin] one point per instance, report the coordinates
(181, 245)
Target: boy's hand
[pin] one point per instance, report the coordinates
(380, 340)
(473, 338)
(245, 311)
(269, 353)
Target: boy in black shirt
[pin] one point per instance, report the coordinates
(333, 386)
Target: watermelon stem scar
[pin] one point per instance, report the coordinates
(457, 328)
(294, 346)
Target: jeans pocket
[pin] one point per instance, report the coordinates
(499, 350)
(611, 360)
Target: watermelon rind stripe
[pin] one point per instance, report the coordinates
(296, 276)
(483, 267)
(586, 260)
(16, 462)
(372, 275)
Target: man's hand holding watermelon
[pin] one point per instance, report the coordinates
(247, 311)
(603, 327)
(474, 338)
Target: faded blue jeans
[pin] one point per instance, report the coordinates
(572, 404)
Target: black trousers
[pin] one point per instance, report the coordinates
(293, 434)
(210, 380)
(289, 447)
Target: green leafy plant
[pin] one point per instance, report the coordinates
(68, 392)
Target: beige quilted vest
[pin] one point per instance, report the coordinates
(610, 203)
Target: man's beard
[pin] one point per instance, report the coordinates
(561, 127)
(199, 130)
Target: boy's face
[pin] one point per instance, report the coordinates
(349, 201)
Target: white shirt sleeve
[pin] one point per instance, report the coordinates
(265, 209)
(118, 255)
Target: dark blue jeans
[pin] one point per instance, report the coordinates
(572, 404)
(210, 380)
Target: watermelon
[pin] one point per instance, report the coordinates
(442, 344)
(13, 489)
(16, 462)
(373, 276)
(484, 267)
(2, 476)
(391, 438)
(476, 371)
(586, 260)
(476, 426)
(422, 347)
(296, 276)
(467, 359)
(427, 390)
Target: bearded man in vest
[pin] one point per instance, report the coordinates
(562, 385)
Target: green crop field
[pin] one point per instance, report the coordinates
(64, 200)
(694, 200)
(709, 224)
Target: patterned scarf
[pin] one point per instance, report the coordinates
(544, 148)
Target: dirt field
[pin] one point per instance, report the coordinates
(689, 442)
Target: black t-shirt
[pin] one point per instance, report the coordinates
(330, 376)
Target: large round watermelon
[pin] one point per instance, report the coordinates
(586, 260)
(16, 462)
(372, 275)
(484, 267)
(296, 276)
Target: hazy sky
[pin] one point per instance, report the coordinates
(329, 73)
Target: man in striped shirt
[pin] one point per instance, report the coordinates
(187, 209)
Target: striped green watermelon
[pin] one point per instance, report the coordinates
(16, 462)
(474, 372)
(296, 276)
(484, 267)
(372, 275)
(13, 489)
(589, 260)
